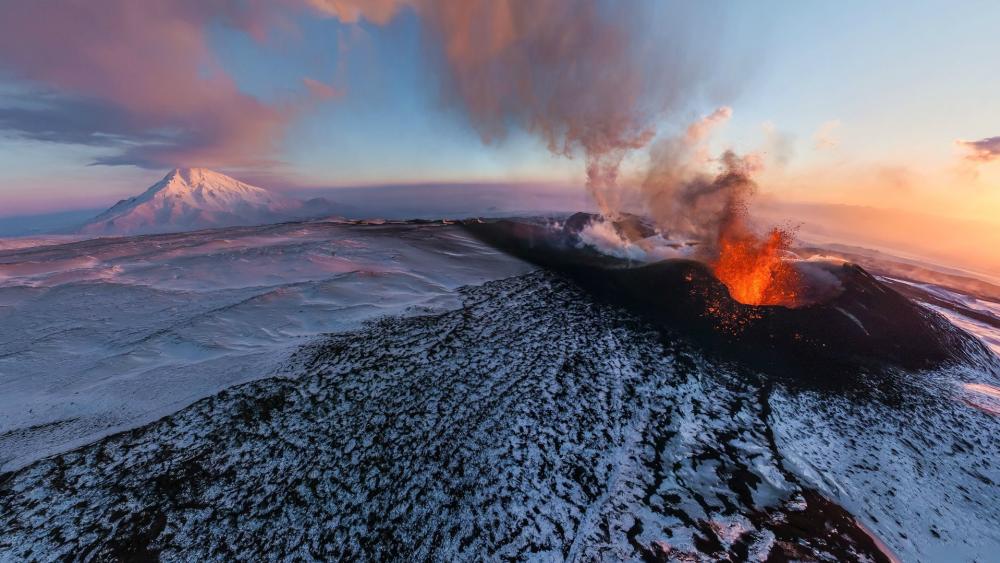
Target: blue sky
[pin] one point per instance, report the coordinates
(888, 85)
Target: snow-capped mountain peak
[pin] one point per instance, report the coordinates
(210, 190)
(196, 198)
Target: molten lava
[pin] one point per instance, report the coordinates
(753, 267)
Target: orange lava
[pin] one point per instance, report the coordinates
(753, 269)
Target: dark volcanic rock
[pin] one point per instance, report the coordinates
(533, 423)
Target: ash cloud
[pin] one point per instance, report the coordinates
(565, 70)
(582, 74)
(682, 197)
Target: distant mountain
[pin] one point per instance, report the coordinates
(196, 198)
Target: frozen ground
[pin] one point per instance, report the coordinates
(512, 419)
(529, 424)
(100, 335)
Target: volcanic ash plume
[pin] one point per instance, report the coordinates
(566, 70)
(575, 72)
(680, 196)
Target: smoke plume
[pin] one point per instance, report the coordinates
(566, 70)
(576, 72)
(680, 195)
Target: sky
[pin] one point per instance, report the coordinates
(885, 104)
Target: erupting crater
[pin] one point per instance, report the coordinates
(823, 321)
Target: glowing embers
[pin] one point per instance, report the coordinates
(754, 268)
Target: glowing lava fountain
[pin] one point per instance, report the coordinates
(754, 268)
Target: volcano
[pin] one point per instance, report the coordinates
(852, 325)
(197, 198)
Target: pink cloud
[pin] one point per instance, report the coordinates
(983, 150)
(574, 72)
(149, 64)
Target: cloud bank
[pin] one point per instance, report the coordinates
(138, 76)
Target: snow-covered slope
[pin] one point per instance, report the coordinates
(197, 198)
(517, 418)
(101, 335)
(532, 423)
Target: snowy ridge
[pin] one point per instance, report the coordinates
(197, 198)
(101, 335)
(530, 424)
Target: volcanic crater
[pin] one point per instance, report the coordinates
(844, 323)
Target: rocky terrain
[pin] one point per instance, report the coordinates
(532, 423)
